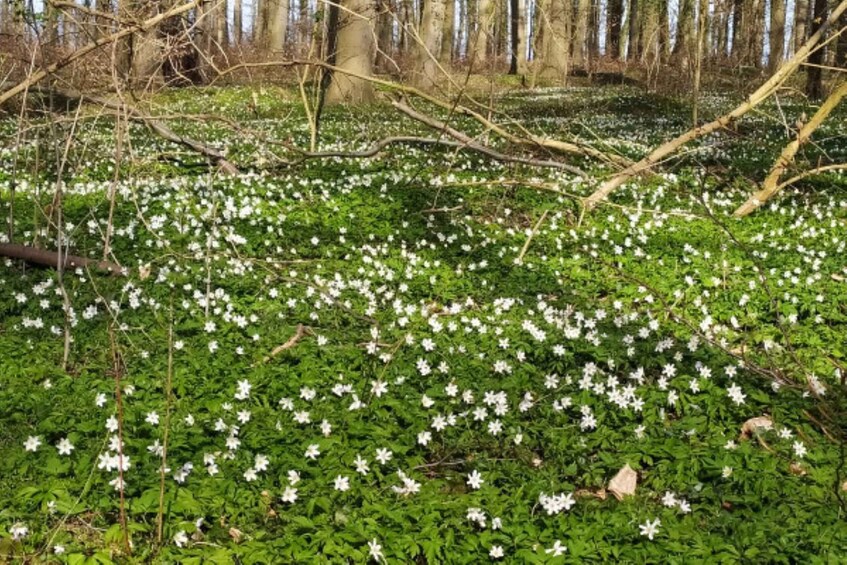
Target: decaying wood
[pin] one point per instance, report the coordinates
(760, 95)
(786, 157)
(49, 258)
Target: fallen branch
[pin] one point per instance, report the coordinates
(759, 96)
(48, 258)
(41, 74)
(530, 140)
(534, 231)
(380, 146)
(465, 141)
(157, 127)
(292, 341)
(786, 157)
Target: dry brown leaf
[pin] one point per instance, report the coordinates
(235, 534)
(797, 469)
(844, 486)
(583, 492)
(144, 271)
(624, 483)
(837, 278)
(753, 425)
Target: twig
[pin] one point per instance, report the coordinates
(531, 235)
(292, 341)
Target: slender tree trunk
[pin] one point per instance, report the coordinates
(407, 21)
(580, 34)
(431, 30)
(758, 33)
(485, 21)
(514, 35)
(841, 44)
(593, 49)
(354, 52)
(613, 25)
(664, 35)
(777, 34)
(237, 22)
(385, 35)
(682, 48)
(814, 73)
(801, 23)
(719, 30)
(260, 17)
(221, 24)
(652, 38)
(738, 42)
(305, 21)
(633, 51)
(446, 56)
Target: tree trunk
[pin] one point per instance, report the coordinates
(777, 34)
(633, 51)
(664, 32)
(738, 43)
(613, 25)
(385, 35)
(277, 25)
(682, 48)
(652, 39)
(554, 33)
(841, 44)
(485, 21)
(221, 24)
(583, 13)
(814, 73)
(237, 23)
(446, 51)
(801, 23)
(719, 30)
(515, 34)
(429, 47)
(757, 36)
(354, 52)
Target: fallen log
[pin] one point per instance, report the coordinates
(47, 258)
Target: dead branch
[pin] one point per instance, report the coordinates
(534, 231)
(41, 74)
(530, 140)
(465, 141)
(48, 258)
(156, 126)
(786, 157)
(759, 96)
(292, 341)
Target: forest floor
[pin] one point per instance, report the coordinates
(466, 365)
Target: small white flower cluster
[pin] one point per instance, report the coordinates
(556, 503)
